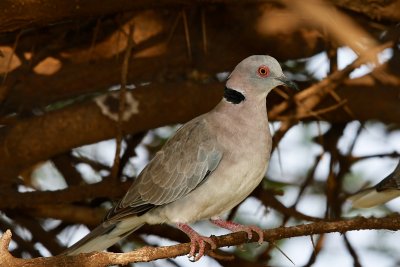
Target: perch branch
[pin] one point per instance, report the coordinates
(147, 254)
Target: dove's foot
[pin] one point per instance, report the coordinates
(236, 227)
(196, 240)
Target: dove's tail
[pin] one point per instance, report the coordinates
(371, 197)
(105, 235)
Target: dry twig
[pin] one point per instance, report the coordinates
(147, 254)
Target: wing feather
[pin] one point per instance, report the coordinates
(184, 162)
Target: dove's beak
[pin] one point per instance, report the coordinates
(287, 82)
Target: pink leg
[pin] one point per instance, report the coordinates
(196, 238)
(235, 227)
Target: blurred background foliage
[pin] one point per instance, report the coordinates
(62, 63)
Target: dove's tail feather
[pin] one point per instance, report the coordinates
(371, 197)
(105, 235)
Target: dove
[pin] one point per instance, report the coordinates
(384, 191)
(210, 165)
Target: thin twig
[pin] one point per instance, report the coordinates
(173, 27)
(381, 155)
(317, 249)
(187, 36)
(132, 142)
(353, 144)
(204, 30)
(94, 38)
(124, 75)
(10, 58)
(317, 114)
(352, 251)
(309, 179)
(312, 96)
(271, 201)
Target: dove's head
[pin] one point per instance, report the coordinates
(256, 76)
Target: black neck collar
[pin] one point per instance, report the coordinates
(233, 96)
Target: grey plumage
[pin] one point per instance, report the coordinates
(182, 164)
(209, 166)
(384, 191)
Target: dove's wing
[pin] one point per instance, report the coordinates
(184, 162)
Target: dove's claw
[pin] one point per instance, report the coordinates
(196, 240)
(236, 227)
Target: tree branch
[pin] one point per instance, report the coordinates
(19, 14)
(378, 10)
(147, 254)
(83, 123)
(75, 193)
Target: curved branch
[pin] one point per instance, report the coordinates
(147, 254)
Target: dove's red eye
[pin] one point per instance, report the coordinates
(263, 71)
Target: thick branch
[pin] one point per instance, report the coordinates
(21, 14)
(377, 10)
(23, 143)
(42, 137)
(147, 254)
(166, 49)
(74, 193)
(68, 213)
